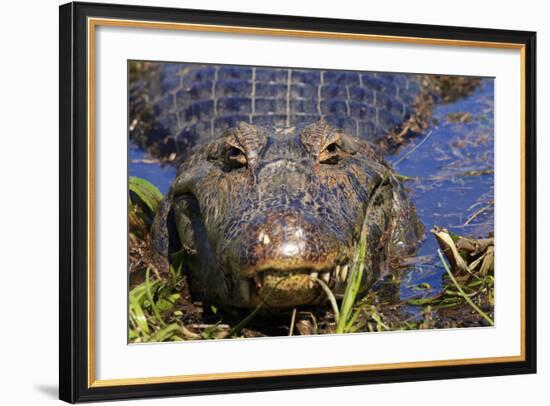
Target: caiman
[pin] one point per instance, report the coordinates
(277, 174)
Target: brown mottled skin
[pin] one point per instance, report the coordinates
(277, 175)
(261, 212)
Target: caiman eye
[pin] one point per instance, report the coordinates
(330, 155)
(235, 158)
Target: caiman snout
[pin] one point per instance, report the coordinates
(284, 241)
(281, 255)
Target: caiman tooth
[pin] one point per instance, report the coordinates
(313, 278)
(344, 273)
(258, 282)
(337, 273)
(325, 276)
(244, 289)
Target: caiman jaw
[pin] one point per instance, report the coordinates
(278, 289)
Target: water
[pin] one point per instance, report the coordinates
(453, 171)
(454, 181)
(141, 165)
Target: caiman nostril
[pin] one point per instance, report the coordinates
(283, 241)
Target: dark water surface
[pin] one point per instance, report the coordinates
(452, 186)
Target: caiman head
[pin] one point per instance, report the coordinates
(263, 214)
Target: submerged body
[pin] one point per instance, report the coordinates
(266, 204)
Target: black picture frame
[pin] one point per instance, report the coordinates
(74, 200)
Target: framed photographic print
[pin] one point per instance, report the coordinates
(255, 202)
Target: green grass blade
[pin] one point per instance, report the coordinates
(146, 191)
(166, 332)
(149, 291)
(136, 312)
(354, 282)
(462, 293)
(331, 299)
(237, 329)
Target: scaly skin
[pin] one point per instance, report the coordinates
(261, 212)
(182, 105)
(276, 177)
